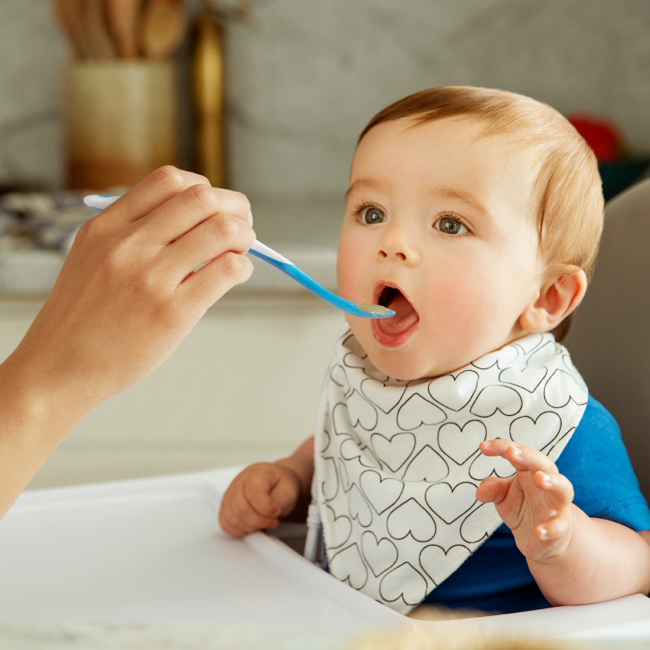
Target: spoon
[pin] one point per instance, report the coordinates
(258, 249)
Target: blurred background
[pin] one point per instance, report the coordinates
(304, 77)
(300, 80)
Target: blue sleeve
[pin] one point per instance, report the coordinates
(596, 462)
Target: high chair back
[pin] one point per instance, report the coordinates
(609, 339)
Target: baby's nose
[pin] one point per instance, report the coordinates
(397, 246)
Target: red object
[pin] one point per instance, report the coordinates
(601, 135)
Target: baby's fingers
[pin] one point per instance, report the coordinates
(553, 529)
(239, 518)
(258, 494)
(493, 489)
(520, 457)
(558, 488)
(229, 524)
(287, 493)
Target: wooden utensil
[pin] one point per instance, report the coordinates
(65, 20)
(98, 35)
(70, 15)
(163, 27)
(123, 18)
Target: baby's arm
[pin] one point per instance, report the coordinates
(575, 559)
(265, 492)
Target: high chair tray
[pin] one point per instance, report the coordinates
(151, 551)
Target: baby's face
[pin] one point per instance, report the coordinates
(438, 227)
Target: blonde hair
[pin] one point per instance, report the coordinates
(567, 193)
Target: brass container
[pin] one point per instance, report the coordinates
(121, 121)
(208, 84)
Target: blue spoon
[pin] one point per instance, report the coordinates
(363, 310)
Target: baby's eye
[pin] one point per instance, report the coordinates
(450, 226)
(372, 216)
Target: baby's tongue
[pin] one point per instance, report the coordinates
(405, 316)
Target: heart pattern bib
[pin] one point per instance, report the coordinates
(397, 463)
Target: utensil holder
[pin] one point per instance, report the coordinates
(121, 121)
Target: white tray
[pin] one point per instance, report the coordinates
(151, 551)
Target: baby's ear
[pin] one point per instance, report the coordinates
(561, 292)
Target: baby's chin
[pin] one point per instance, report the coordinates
(411, 362)
(400, 363)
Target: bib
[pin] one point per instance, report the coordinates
(397, 463)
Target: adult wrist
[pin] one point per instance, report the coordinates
(39, 402)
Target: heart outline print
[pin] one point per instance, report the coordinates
(454, 392)
(379, 554)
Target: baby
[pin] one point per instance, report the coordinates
(458, 458)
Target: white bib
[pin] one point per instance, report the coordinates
(397, 463)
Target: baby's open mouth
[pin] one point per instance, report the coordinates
(395, 331)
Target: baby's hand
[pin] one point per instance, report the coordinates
(258, 497)
(535, 503)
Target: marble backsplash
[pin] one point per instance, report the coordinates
(305, 76)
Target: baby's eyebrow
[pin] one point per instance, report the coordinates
(367, 184)
(461, 195)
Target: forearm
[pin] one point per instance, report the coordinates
(301, 463)
(603, 560)
(36, 413)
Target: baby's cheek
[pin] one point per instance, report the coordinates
(351, 272)
(467, 308)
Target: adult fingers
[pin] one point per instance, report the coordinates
(520, 457)
(202, 289)
(216, 235)
(152, 192)
(196, 203)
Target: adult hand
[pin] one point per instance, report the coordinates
(126, 297)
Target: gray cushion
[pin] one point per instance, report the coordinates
(610, 336)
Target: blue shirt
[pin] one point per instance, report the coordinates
(496, 577)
